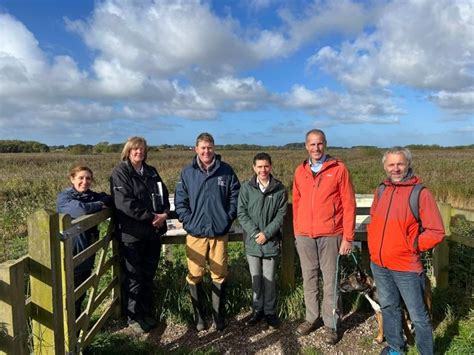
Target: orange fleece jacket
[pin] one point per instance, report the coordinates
(324, 204)
(393, 237)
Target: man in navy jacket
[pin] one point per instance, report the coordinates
(206, 204)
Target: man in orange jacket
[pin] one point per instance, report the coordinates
(396, 241)
(323, 222)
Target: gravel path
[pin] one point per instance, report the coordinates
(359, 330)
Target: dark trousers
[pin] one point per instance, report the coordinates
(139, 261)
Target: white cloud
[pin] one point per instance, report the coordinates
(163, 38)
(352, 108)
(311, 23)
(458, 102)
(422, 44)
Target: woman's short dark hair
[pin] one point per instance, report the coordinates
(262, 156)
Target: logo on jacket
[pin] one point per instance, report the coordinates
(220, 181)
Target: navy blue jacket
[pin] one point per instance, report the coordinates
(77, 204)
(206, 202)
(133, 202)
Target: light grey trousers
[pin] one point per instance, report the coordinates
(315, 255)
(263, 271)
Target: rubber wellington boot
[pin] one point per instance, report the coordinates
(218, 305)
(197, 299)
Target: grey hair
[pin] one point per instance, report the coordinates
(399, 150)
(318, 132)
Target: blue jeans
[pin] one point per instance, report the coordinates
(392, 286)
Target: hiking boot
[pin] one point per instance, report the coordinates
(331, 336)
(255, 318)
(307, 327)
(139, 326)
(389, 351)
(272, 320)
(151, 321)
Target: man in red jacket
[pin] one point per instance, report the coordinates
(323, 222)
(396, 241)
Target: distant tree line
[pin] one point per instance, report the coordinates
(17, 146)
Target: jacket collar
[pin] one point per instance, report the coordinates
(273, 185)
(213, 168)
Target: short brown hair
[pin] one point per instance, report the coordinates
(78, 168)
(132, 143)
(205, 137)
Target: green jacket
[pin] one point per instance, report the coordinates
(259, 211)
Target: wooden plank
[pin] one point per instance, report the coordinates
(100, 323)
(468, 214)
(288, 251)
(103, 294)
(441, 252)
(89, 251)
(45, 276)
(95, 286)
(69, 299)
(12, 307)
(462, 239)
(83, 223)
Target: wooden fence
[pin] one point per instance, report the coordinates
(37, 293)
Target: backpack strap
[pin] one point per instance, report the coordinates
(414, 203)
(380, 190)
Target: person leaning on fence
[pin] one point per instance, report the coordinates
(76, 201)
(261, 210)
(396, 242)
(324, 222)
(206, 204)
(141, 206)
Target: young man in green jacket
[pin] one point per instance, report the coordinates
(261, 209)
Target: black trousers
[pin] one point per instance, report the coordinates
(139, 261)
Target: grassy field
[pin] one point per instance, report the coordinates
(32, 181)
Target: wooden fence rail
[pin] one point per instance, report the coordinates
(38, 291)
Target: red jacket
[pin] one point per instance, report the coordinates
(393, 237)
(324, 204)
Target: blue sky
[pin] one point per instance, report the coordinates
(249, 71)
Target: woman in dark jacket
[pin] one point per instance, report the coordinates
(79, 200)
(261, 209)
(142, 206)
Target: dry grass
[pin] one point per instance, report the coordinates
(31, 181)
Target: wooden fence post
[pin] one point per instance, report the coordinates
(45, 279)
(288, 251)
(12, 307)
(441, 252)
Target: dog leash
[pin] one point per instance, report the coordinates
(336, 288)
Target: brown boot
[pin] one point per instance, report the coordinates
(307, 327)
(331, 336)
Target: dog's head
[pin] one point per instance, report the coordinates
(357, 281)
